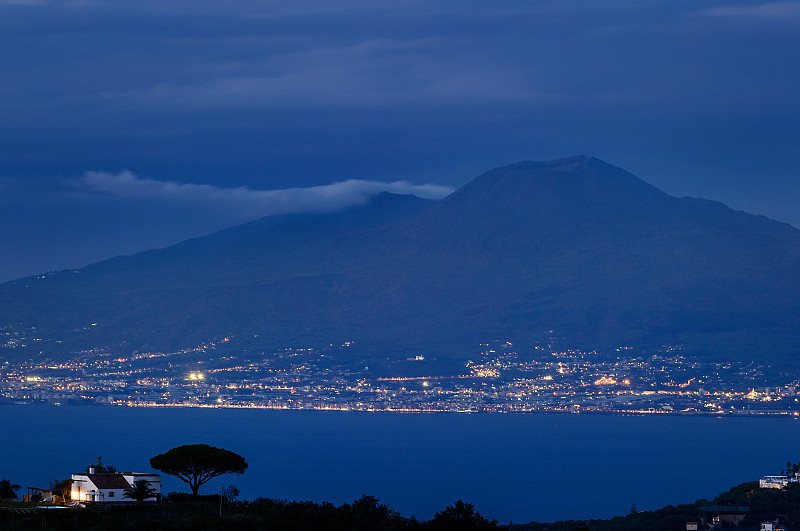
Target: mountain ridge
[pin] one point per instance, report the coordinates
(574, 245)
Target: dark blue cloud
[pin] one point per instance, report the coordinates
(697, 97)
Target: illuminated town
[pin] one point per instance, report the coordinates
(499, 378)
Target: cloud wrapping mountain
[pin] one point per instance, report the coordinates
(327, 198)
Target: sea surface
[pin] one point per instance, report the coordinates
(518, 468)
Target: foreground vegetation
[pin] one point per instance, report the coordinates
(209, 513)
(367, 513)
(763, 504)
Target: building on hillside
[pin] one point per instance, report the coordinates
(725, 515)
(45, 494)
(770, 525)
(111, 487)
(773, 482)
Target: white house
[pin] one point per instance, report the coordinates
(773, 482)
(110, 487)
(154, 479)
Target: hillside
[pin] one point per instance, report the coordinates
(752, 505)
(575, 246)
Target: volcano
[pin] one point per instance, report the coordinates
(574, 247)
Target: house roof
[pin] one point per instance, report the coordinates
(108, 481)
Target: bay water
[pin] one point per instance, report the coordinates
(512, 467)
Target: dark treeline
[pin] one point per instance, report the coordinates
(763, 504)
(367, 513)
(364, 514)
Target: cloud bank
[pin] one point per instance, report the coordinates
(252, 203)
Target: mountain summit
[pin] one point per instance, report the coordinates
(544, 187)
(542, 197)
(575, 246)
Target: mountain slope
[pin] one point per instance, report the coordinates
(573, 245)
(604, 257)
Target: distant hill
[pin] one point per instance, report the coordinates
(575, 245)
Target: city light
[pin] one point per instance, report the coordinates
(507, 378)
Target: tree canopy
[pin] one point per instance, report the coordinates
(8, 489)
(63, 488)
(196, 464)
(100, 468)
(461, 517)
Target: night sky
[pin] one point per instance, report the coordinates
(127, 125)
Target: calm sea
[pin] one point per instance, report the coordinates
(511, 467)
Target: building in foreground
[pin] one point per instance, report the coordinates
(108, 487)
